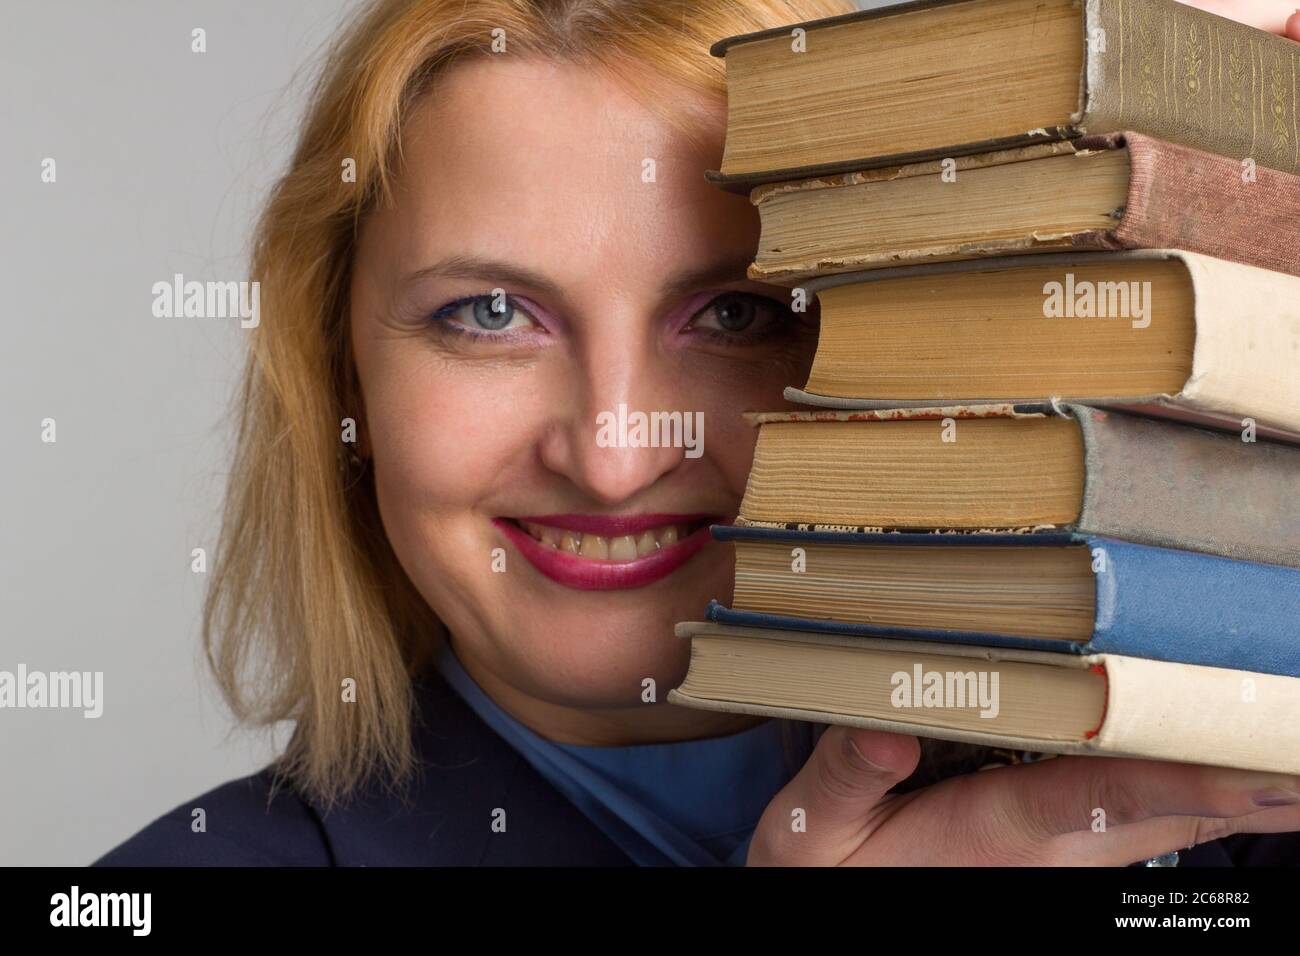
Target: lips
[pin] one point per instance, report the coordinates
(600, 552)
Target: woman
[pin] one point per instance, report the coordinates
(495, 229)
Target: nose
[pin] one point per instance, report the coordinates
(621, 433)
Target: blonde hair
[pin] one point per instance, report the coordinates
(307, 591)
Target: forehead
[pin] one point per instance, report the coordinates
(542, 159)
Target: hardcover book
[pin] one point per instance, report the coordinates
(1100, 704)
(1124, 191)
(941, 78)
(1056, 592)
(1167, 332)
(1026, 468)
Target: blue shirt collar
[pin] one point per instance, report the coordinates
(691, 802)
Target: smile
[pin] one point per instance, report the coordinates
(597, 552)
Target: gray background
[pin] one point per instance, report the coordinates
(163, 156)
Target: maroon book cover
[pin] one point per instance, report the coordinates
(1184, 198)
(1176, 198)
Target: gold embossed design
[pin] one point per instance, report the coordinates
(1180, 74)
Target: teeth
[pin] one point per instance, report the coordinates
(597, 548)
(646, 543)
(622, 549)
(594, 546)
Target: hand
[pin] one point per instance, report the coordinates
(1038, 814)
(1275, 16)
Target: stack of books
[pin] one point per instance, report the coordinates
(1048, 494)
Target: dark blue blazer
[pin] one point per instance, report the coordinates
(446, 817)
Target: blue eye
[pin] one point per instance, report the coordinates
(480, 314)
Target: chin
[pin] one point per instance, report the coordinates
(594, 649)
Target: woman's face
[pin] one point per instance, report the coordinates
(553, 255)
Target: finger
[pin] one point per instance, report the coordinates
(1270, 15)
(1069, 794)
(824, 812)
(1134, 842)
(1293, 26)
(1029, 814)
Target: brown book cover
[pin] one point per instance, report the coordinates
(1177, 198)
(1157, 66)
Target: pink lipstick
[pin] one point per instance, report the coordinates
(607, 552)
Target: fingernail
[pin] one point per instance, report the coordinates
(855, 754)
(1276, 798)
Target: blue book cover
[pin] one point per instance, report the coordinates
(1157, 603)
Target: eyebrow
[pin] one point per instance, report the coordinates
(477, 267)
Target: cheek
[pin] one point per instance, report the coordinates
(723, 391)
(431, 448)
(442, 431)
(729, 441)
(443, 451)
